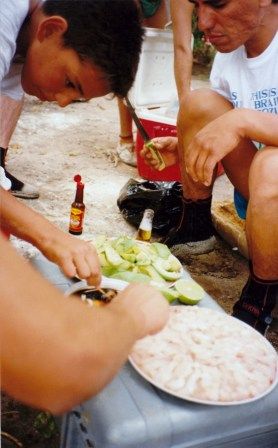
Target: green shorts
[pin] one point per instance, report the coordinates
(149, 7)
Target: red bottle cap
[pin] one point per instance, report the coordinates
(77, 178)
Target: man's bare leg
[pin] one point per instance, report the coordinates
(254, 175)
(195, 233)
(260, 294)
(126, 147)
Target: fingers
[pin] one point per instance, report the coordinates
(148, 308)
(149, 159)
(88, 268)
(81, 259)
(200, 163)
(167, 146)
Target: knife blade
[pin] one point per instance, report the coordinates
(145, 136)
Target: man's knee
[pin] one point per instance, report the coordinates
(203, 105)
(263, 179)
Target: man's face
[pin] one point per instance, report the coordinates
(55, 73)
(228, 24)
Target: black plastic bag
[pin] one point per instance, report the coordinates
(165, 198)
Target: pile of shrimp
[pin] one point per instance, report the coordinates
(207, 355)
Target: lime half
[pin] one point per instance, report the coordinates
(189, 291)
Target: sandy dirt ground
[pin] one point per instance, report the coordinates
(49, 147)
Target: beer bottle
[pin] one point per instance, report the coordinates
(77, 208)
(145, 229)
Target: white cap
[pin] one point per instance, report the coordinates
(4, 181)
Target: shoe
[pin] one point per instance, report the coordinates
(4, 181)
(20, 189)
(183, 250)
(127, 154)
(255, 304)
(195, 233)
(26, 192)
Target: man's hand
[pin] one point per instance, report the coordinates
(74, 256)
(148, 308)
(168, 148)
(212, 144)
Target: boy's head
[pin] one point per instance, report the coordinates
(82, 48)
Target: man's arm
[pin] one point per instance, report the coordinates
(74, 256)
(217, 139)
(181, 14)
(258, 126)
(57, 352)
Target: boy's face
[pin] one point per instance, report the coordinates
(55, 73)
(228, 24)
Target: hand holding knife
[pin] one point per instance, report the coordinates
(147, 140)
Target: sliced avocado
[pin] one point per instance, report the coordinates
(169, 294)
(108, 270)
(142, 259)
(131, 277)
(153, 274)
(162, 250)
(174, 264)
(189, 291)
(129, 257)
(162, 266)
(102, 259)
(124, 266)
(112, 256)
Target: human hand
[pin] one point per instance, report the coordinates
(73, 256)
(211, 144)
(167, 146)
(148, 308)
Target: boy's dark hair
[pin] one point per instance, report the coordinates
(107, 32)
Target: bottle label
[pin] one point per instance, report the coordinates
(76, 219)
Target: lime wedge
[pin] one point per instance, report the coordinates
(189, 291)
(169, 294)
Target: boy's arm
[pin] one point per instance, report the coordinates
(74, 256)
(57, 352)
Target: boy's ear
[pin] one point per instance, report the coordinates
(51, 25)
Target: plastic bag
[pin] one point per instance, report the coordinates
(165, 198)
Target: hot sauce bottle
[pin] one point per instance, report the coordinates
(77, 210)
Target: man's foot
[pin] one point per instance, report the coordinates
(256, 303)
(195, 233)
(20, 189)
(126, 153)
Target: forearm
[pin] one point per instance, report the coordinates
(258, 126)
(57, 351)
(24, 222)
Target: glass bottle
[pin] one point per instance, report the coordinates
(77, 210)
(145, 228)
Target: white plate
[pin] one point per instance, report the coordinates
(254, 334)
(106, 283)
